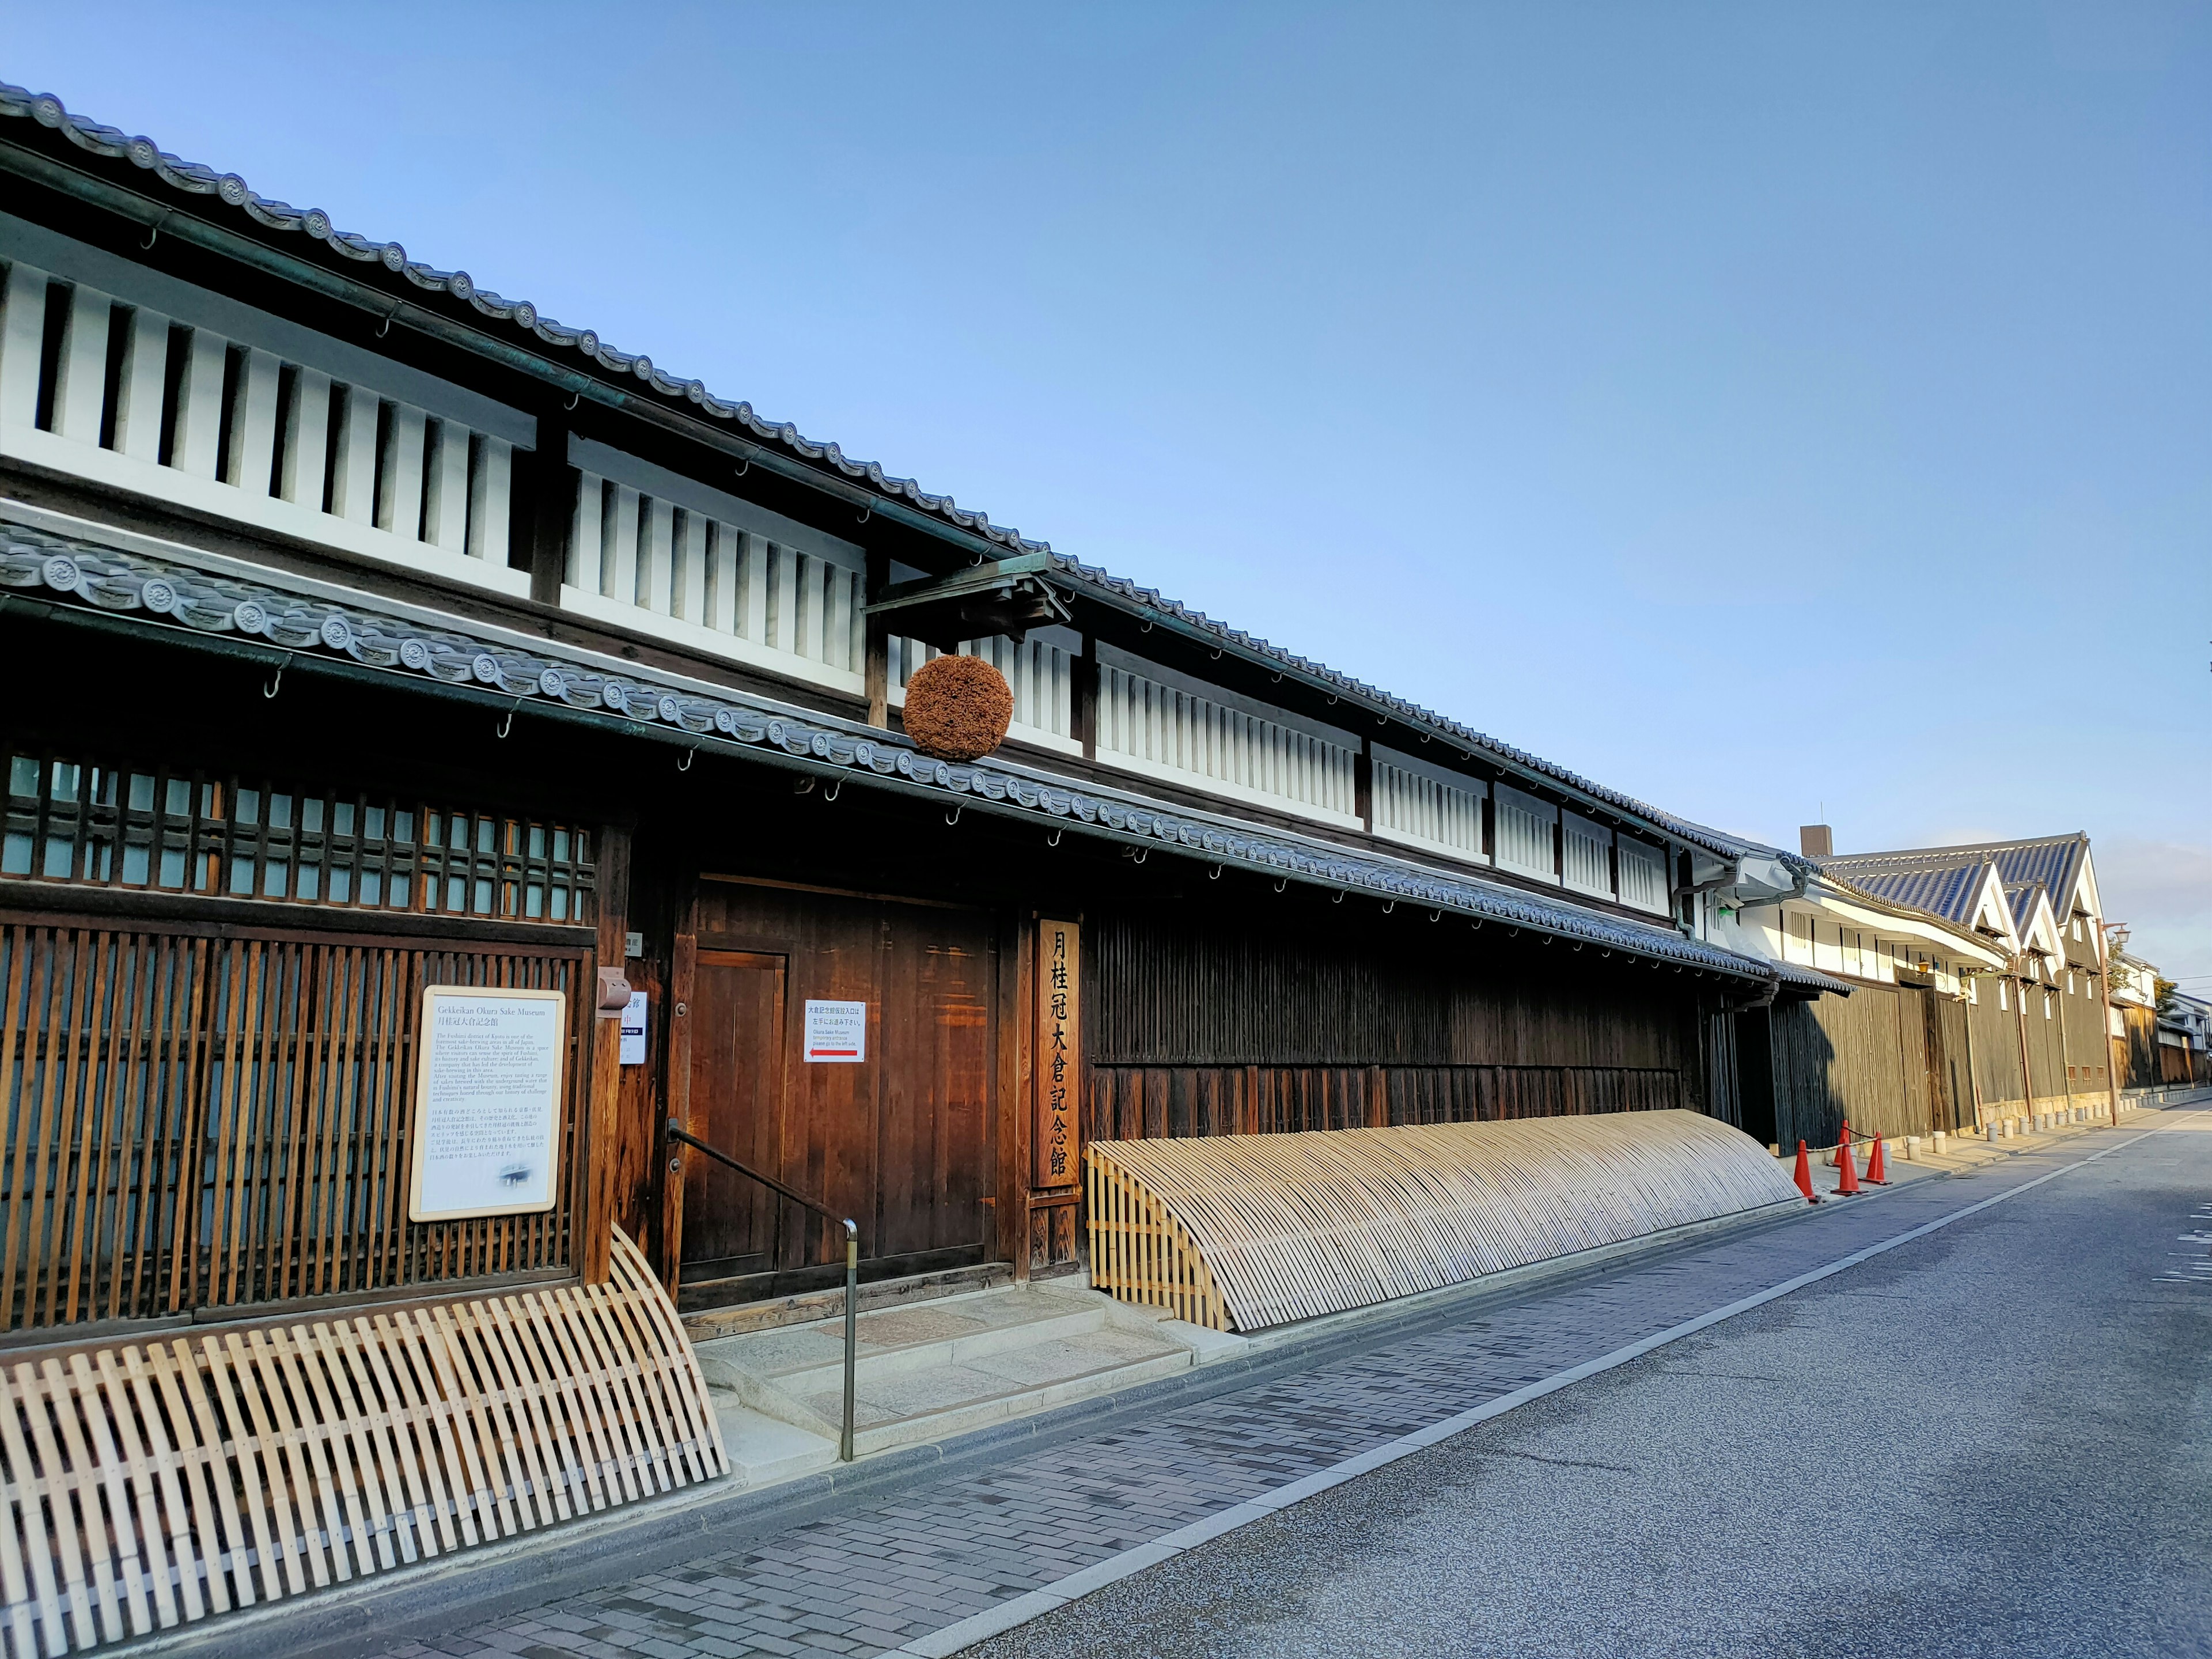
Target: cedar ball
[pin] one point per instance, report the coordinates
(958, 709)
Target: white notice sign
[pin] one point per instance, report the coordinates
(633, 1029)
(487, 1102)
(837, 1031)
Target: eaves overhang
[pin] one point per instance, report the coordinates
(1807, 980)
(448, 308)
(147, 585)
(391, 291)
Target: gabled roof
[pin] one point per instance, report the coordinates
(1953, 893)
(521, 326)
(2033, 915)
(2055, 863)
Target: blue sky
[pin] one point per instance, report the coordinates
(1770, 411)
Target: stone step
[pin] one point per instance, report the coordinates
(918, 1339)
(941, 1400)
(923, 1372)
(764, 1450)
(706, 1316)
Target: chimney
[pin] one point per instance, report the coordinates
(1816, 841)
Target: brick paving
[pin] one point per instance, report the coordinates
(898, 1567)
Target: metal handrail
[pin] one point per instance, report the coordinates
(676, 1131)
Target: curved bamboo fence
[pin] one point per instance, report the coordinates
(146, 1485)
(1245, 1231)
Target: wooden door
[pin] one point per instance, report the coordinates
(937, 1008)
(735, 1015)
(902, 1140)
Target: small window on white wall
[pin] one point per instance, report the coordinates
(1587, 853)
(1643, 875)
(1525, 830)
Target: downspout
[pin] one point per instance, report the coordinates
(2065, 1060)
(2105, 1025)
(2027, 1070)
(1973, 1082)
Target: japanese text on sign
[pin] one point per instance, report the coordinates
(837, 1032)
(1056, 1135)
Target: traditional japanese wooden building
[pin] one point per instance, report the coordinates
(1992, 1005)
(372, 632)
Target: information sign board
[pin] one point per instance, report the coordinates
(487, 1102)
(837, 1032)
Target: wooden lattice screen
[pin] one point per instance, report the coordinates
(158, 1483)
(202, 1117)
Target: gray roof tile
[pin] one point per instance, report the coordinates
(192, 179)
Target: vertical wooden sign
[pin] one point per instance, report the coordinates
(1057, 1136)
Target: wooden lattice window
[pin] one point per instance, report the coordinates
(74, 819)
(202, 1117)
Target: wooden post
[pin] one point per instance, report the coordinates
(668, 1181)
(551, 506)
(877, 665)
(2065, 1058)
(1363, 785)
(1086, 690)
(592, 1251)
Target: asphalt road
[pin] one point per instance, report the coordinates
(1995, 1440)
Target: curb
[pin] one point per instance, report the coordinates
(439, 1596)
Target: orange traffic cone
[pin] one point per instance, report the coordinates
(1805, 1175)
(1847, 1177)
(1876, 1170)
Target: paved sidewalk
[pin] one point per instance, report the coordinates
(895, 1569)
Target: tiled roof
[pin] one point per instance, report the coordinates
(303, 621)
(192, 179)
(2052, 862)
(1947, 893)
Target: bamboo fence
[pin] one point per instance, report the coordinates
(1246, 1231)
(160, 1482)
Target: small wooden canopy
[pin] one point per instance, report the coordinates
(1007, 596)
(1246, 1231)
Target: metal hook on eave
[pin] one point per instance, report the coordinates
(277, 680)
(746, 468)
(1388, 906)
(1281, 882)
(507, 720)
(690, 754)
(574, 398)
(384, 327)
(1215, 874)
(1339, 897)
(1056, 835)
(154, 230)
(867, 513)
(834, 789)
(953, 817)
(1136, 855)
(1439, 915)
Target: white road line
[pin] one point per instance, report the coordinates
(938, 1645)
